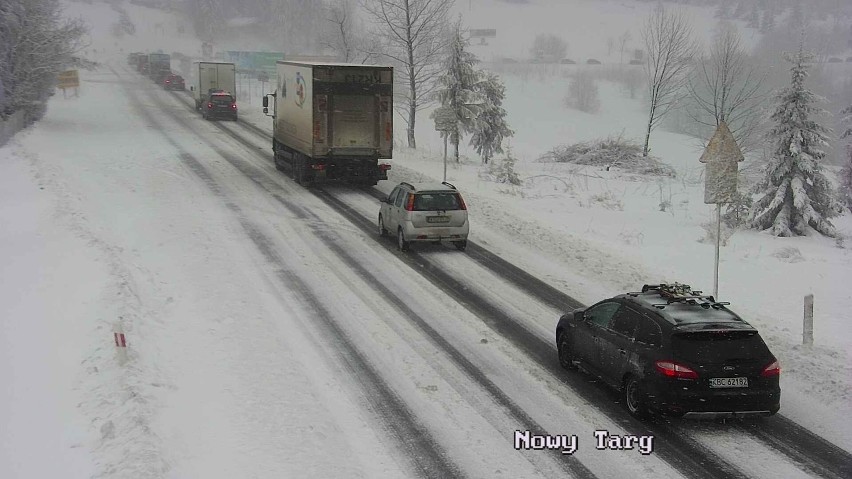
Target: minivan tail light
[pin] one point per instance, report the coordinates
(774, 369)
(209, 106)
(409, 205)
(675, 370)
(234, 106)
(462, 205)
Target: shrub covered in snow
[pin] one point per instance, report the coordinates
(610, 152)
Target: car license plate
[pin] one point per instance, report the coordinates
(728, 382)
(437, 219)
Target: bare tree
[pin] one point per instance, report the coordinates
(726, 87)
(414, 36)
(670, 47)
(549, 47)
(346, 36)
(622, 44)
(583, 93)
(36, 43)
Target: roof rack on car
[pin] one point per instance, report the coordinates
(448, 184)
(681, 293)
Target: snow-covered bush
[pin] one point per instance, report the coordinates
(709, 237)
(504, 171)
(606, 200)
(736, 212)
(583, 93)
(610, 152)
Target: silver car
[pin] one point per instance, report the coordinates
(424, 212)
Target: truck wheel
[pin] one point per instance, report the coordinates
(460, 245)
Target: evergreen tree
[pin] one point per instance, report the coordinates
(846, 172)
(488, 133)
(459, 88)
(794, 193)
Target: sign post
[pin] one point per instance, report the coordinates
(720, 183)
(445, 122)
(68, 79)
(808, 322)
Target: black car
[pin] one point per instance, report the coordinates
(670, 350)
(219, 104)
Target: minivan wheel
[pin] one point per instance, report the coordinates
(634, 399)
(400, 240)
(566, 359)
(460, 245)
(382, 231)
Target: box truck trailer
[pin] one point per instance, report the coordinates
(210, 77)
(332, 121)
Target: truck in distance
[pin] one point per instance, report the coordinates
(210, 77)
(332, 121)
(159, 65)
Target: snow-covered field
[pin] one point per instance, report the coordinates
(230, 373)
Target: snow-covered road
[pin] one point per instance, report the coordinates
(272, 334)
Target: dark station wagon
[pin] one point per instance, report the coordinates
(219, 104)
(670, 350)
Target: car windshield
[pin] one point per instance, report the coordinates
(221, 99)
(436, 201)
(709, 347)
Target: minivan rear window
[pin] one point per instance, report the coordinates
(715, 346)
(436, 201)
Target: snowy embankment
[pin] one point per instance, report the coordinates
(596, 233)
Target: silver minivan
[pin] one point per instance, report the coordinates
(424, 212)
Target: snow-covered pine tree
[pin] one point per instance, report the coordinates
(794, 192)
(459, 87)
(488, 133)
(846, 172)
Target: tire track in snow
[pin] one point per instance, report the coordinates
(679, 448)
(810, 451)
(830, 458)
(427, 457)
(569, 463)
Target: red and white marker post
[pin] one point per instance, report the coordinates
(120, 343)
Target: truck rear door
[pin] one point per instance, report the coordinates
(354, 122)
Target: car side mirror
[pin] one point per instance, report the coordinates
(192, 88)
(383, 200)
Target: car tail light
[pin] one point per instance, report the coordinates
(462, 206)
(168, 81)
(209, 106)
(387, 131)
(772, 370)
(233, 106)
(675, 370)
(409, 205)
(384, 167)
(319, 167)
